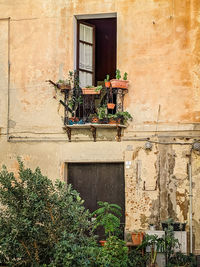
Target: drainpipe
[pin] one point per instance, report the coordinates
(8, 113)
(190, 200)
(8, 88)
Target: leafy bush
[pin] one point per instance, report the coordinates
(108, 217)
(113, 254)
(182, 260)
(41, 223)
(136, 258)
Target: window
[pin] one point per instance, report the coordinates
(86, 53)
(96, 49)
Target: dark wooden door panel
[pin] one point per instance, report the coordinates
(110, 184)
(82, 178)
(98, 182)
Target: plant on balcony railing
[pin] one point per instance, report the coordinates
(92, 104)
(118, 83)
(120, 117)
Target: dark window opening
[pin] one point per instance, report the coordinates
(96, 50)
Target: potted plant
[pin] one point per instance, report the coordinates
(107, 81)
(102, 114)
(118, 83)
(66, 84)
(63, 85)
(92, 90)
(93, 118)
(113, 119)
(177, 226)
(137, 237)
(107, 216)
(110, 105)
(153, 244)
(123, 116)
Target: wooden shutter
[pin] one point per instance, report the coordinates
(86, 54)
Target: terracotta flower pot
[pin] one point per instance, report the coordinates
(137, 238)
(102, 242)
(119, 84)
(114, 121)
(107, 84)
(63, 86)
(95, 120)
(111, 105)
(90, 91)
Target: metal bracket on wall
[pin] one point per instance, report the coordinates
(69, 133)
(119, 133)
(153, 189)
(93, 130)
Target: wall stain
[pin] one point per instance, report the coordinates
(183, 202)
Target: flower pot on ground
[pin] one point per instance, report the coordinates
(102, 242)
(91, 90)
(110, 105)
(137, 238)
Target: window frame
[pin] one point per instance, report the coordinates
(78, 41)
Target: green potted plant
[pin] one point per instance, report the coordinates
(91, 90)
(93, 118)
(124, 116)
(113, 119)
(63, 85)
(118, 83)
(153, 245)
(177, 226)
(66, 84)
(137, 237)
(102, 114)
(107, 81)
(107, 216)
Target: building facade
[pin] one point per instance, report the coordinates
(158, 45)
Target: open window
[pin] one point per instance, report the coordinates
(96, 49)
(86, 53)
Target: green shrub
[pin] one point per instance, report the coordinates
(113, 254)
(107, 216)
(180, 259)
(42, 223)
(136, 258)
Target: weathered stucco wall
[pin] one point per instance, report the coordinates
(158, 45)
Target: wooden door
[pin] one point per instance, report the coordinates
(99, 182)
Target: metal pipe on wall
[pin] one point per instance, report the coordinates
(190, 201)
(8, 114)
(8, 88)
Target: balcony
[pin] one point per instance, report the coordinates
(92, 107)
